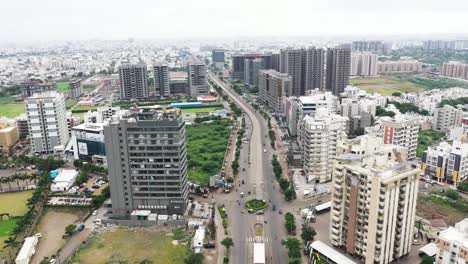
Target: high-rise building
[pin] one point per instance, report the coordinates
(315, 69)
(293, 62)
(133, 81)
(373, 205)
(272, 87)
(161, 80)
(197, 79)
(47, 121)
(23, 127)
(252, 67)
(88, 143)
(402, 131)
(76, 89)
(378, 47)
(321, 134)
(29, 87)
(446, 118)
(438, 44)
(147, 161)
(238, 63)
(338, 69)
(217, 55)
(399, 66)
(363, 64)
(455, 69)
(101, 114)
(461, 44)
(453, 244)
(275, 61)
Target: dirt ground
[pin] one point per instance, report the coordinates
(427, 209)
(52, 226)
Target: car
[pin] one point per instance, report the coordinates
(241, 194)
(53, 261)
(260, 212)
(80, 228)
(264, 150)
(95, 212)
(274, 208)
(280, 211)
(416, 242)
(38, 235)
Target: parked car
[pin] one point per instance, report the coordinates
(38, 235)
(95, 212)
(80, 228)
(53, 261)
(280, 211)
(260, 212)
(274, 208)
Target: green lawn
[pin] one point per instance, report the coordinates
(6, 100)
(63, 87)
(426, 139)
(14, 203)
(70, 103)
(131, 245)
(201, 110)
(85, 107)
(6, 226)
(80, 115)
(206, 145)
(12, 110)
(88, 89)
(385, 85)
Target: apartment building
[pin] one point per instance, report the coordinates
(446, 118)
(315, 69)
(101, 114)
(363, 64)
(47, 121)
(272, 87)
(197, 79)
(338, 69)
(453, 244)
(402, 131)
(147, 161)
(457, 165)
(378, 47)
(438, 44)
(238, 63)
(455, 69)
(29, 87)
(161, 81)
(368, 144)
(76, 89)
(133, 81)
(252, 68)
(399, 66)
(321, 135)
(373, 205)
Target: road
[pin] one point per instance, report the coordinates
(259, 180)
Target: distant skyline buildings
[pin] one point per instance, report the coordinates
(338, 69)
(133, 81)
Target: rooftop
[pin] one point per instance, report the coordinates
(458, 234)
(93, 127)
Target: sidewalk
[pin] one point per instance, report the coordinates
(280, 148)
(219, 237)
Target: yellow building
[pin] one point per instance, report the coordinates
(8, 137)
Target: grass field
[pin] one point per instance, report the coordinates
(131, 246)
(85, 107)
(200, 110)
(6, 227)
(70, 103)
(88, 89)
(385, 85)
(14, 203)
(63, 87)
(80, 115)
(429, 204)
(206, 145)
(12, 110)
(7, 100)
(427, 138)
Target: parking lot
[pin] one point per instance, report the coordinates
(67, 200)
(307, 191)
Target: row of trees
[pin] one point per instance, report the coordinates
(240, 135)
(89, 167)
(16, 179)
(285, 185)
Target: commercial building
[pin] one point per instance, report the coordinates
(238, 63)
(453, 244)
(378, 47)
(29, 87)
(197, 79)
(363, 64)
(402, 131)
(272, 87)
(446, 118)
(72, 121)
(217, 55)
(88, 142)
(76, 89)
(8, 138)
(455, 69)
(161, 80)
(321, 134)
(47, 121)
(64, 180)
(133, 81)
(338, 69)
(147, 161)
(27, 251)
(399, 66)
(373, 206)
(252, 68)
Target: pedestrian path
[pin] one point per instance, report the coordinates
(260, 239)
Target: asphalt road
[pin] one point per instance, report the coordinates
(259, 180)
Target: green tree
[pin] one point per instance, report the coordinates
(11, 243)
(284, 183)
(454, 195)
(289, 194)
(194, 258)
(427, 260)
(396, 94)
(228, 243)
(70, 229)
(308, 234)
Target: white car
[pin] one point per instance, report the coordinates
(53, 261)
(264, 150)
(95, 212)
(38, 235)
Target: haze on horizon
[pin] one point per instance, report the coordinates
(28, 20)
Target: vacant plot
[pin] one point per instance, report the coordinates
(63, 87)
(206, 146)
(85, 108)
(14, 203)
(200, 109)
(131, 245)
(427, 138)
(52, 226)
(385, 85)
(12, 110)
(430, 205)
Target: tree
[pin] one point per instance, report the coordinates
(396, 94)
(11, 243)
(359, 131)
(194, 258)
(452, 194)
(284, 183)
(427, 260)
(289, 194)
(308, 234)
(227, 242)
(70, 229)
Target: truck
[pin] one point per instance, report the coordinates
(259, 253)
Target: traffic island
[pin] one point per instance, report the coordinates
(256, 205)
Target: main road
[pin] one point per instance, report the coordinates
(258, 178)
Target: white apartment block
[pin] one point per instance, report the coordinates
(373, 205)
(399, 66)
(47, 121)
(457, 166)
(101, 114)
(272, 87)
(197, 79)
(453, 244)
(363, 64)
(76, 89)
(322, 132)
(368, 144)
(446, 118)
(402, 131)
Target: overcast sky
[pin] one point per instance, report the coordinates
(22, 20)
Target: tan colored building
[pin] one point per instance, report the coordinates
(399, 66)
(453, 244)
(8, 138)
(455, 69)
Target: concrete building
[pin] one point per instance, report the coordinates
(217, 55)
(373, 206)
(8, 138)
(88, 143)
(453, 244)
(147, 161)
(321, 135)
(72, 121)
(461, 44)
(161, 81)
(238, 63)
(438, 44)
(22, 125)
(47, 121)
(272, 87)
(29, 87)
(197, 79)
(315, 69)
(76, 89)
(402, 131)
(252, 68)
(377, 47)
(133, 81)
(363, 64)
(28, 249)
(399, 66)
(293, 62)
(64, 180)
(338, 69)
(446, 118)
(101, 114)
(455, 69)
(457, 166)
(369, 144)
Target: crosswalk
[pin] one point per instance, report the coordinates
(260, 239)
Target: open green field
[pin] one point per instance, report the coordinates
(14, 203)
(88, 89)
(385, 85)
(12, 110)
(427, 138)
(6, 227)
(63, 87)
(70, 103)
(131, 246)
(80, 115)
(206, 145)
(85, 107)
(7, 100)
(200, 109)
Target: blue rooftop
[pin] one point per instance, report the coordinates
(186, 105)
